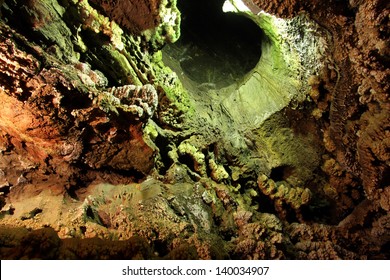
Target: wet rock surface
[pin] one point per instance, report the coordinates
(106, 153)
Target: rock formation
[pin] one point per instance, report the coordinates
(210, 129)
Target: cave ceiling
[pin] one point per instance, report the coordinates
(209, 129)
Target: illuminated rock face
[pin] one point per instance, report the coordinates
(265, 132)
(159, 20)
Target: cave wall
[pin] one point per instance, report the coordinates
(98, 138)
(358, 103)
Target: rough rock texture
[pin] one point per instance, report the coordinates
(159, 20)
(135, 15)
(106, 153)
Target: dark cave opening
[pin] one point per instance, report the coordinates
(215, 48)
(281, 173)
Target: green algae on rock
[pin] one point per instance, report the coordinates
(101, 140)
(292, 51)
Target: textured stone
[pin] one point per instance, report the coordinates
(101, 141)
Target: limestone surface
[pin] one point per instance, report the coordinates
(132, 130)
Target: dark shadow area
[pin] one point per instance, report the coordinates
(215, 48)
(21, 243)
(281, 173)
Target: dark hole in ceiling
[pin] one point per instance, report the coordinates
(215, 48)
